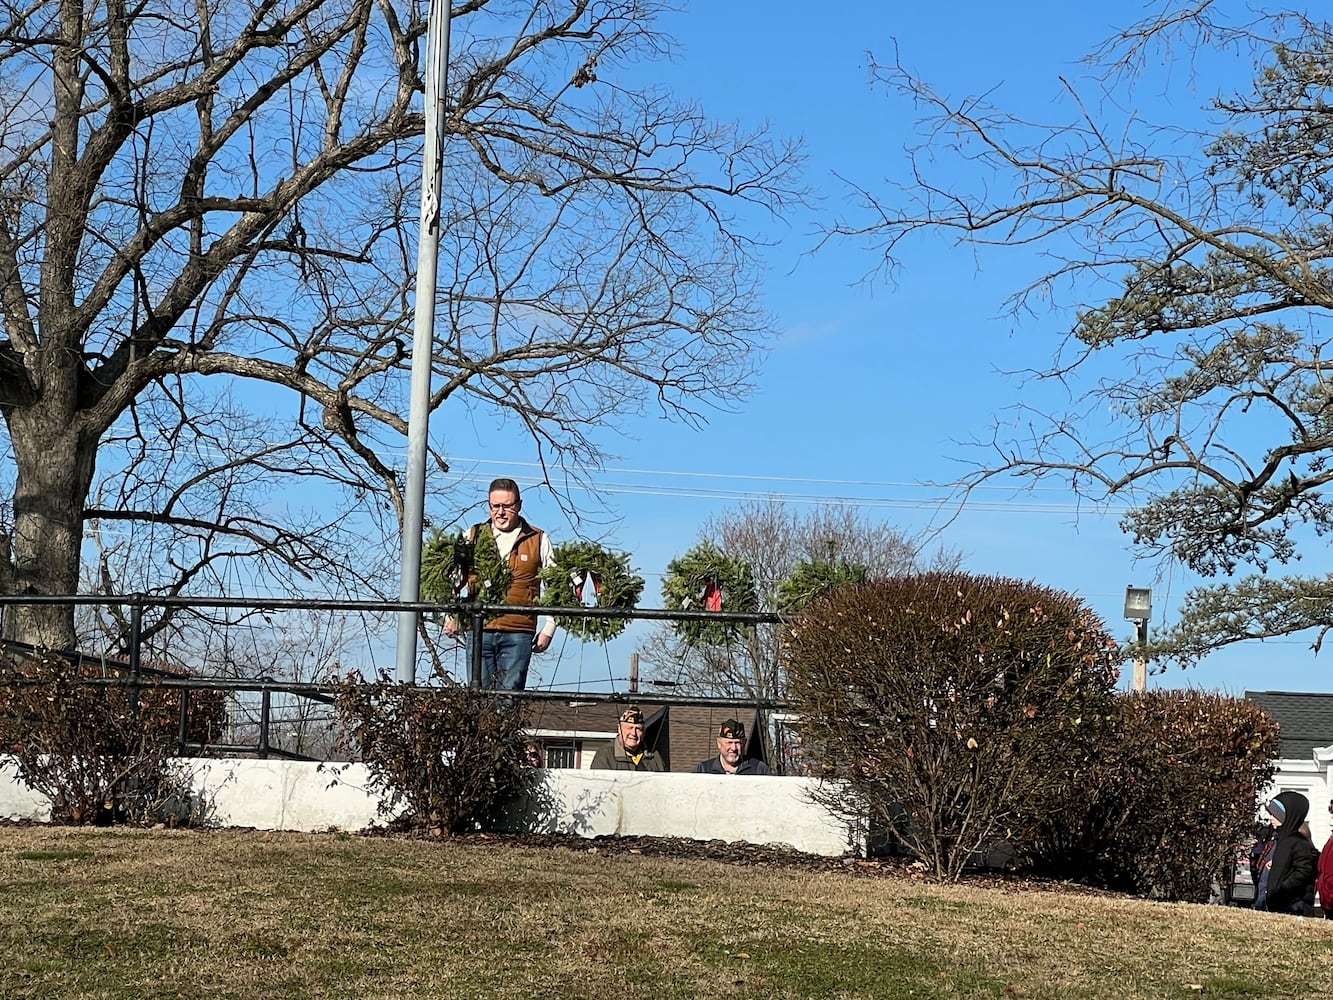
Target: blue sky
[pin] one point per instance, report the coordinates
(872, 385)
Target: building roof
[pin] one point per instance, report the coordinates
(1305, 720)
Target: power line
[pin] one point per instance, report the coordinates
(724, 490)
(894, 484)
(726, 493)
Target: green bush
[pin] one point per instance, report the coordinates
(1156, 803)
(448, 758)
(947, 700)
(83, 746)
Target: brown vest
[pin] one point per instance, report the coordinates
(525, 564)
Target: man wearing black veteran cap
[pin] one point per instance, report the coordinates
(730, 757)
(628, 751)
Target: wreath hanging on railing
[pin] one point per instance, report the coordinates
(448, 560)
(706, 579)
(580, 571)
(812, 578)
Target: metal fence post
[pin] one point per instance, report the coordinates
(182, 729)
(474, 664)
(265, 702)
(136, 629)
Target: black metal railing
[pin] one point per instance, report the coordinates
(132, 674)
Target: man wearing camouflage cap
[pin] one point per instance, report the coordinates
(628, 752)
(730, 757)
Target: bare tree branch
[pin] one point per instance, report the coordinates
(1198, 387)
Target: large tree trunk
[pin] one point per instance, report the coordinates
(54, 453)
(54, 473)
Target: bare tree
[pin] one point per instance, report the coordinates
(304, 647)
(195, 519)
(1198, 385)
(211, 210)
(774, 539)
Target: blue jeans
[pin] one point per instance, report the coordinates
(504, 659)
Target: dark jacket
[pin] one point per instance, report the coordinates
(750, 765)
(1295, 860)
(612, 757)
(1261, 852)
(1261, 859)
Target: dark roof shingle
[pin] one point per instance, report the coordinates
(1305, 720)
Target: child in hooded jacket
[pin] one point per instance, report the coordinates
(1291, 875)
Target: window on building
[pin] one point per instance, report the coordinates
(561, 755)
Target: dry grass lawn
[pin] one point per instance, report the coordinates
(241, 914)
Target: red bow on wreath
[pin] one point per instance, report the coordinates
(579, 578)
(711, 596)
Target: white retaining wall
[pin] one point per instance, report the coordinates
(755, 810)
(297, 795)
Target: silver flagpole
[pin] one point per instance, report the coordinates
(423, 333)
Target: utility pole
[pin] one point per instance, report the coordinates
(1138, 609)
(1140, 662)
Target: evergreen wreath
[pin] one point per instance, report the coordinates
(447, 561)
(706, 578)
(573, 566)
(813, 578)
(492, 575)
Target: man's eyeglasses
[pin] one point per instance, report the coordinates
(511, 507)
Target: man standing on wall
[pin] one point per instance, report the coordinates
(509, 640)
(730, 757)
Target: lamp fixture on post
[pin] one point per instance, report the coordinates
(1138, 609)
